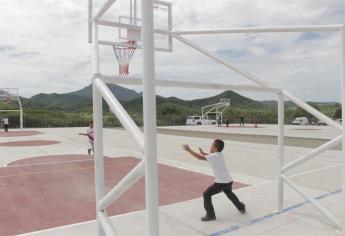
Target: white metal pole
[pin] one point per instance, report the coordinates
(103, 10)
(21, 119)
(106, 224)
(342, 43)
(121, 114)
(127, 182)
(131, 11)
(20, 114)
(312, 201)
(221, 61)
(312, 110)
(135, 12)
(281, 29)
(149, 103)
(188, 84)
(98, 129)
(90, 21)
(170, 27)
(313, 153)
(280, 152)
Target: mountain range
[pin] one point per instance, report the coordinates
(81, 100)
(75, 108)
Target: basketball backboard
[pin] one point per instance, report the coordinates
(128, 26)
(225, 101)
(8, 94)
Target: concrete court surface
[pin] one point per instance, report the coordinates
(250, 163)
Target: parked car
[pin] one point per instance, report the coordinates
(300, 121)
(199, 120)
(320, 122)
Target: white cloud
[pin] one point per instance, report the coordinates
(43, 46)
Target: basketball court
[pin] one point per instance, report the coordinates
(50, 187)
(49, 190)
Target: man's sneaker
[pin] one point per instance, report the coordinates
(243, 209)
(208, 218)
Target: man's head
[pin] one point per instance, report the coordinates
(91, 124)
(217, 146)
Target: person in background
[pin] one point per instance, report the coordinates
(89, 134)
(5, 123)
(255, 121)
(219, 121)
(242, 120)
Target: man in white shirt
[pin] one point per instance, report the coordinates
(6, 124)
(223, 180)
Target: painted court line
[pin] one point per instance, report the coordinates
(271, 215)
(45, 163)
(315, 170)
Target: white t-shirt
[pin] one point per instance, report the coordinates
(219, 168)
(5, 121)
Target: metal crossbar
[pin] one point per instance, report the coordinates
(128, 181)
(312, 201)
(188, 84)
(329, 145)
(121, 114)
(135, 174)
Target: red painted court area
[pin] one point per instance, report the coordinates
(29, 143)
(19, 133)
(36, 196)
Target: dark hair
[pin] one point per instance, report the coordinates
(219, 144)
(91, 122)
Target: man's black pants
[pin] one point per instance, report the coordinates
(6, 128)
(215, 189)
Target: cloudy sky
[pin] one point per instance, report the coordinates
(44, 49)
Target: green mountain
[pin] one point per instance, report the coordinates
(63, 102)
(77, 101)
(237, 101)
(121, 93)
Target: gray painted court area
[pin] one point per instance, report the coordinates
(253, 163)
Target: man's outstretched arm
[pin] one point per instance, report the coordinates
(202, 152)
(194, 154)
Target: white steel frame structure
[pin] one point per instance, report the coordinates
(12, 94)
(146, 141)
(217, 109)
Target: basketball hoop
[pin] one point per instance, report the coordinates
(8, 99)
(123, 54)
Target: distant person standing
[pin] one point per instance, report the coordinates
(255, 121)
(219, 121)
(6, 123)
(242, 120)
(89, 134)
(227, 122)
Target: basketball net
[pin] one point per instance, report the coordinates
(123, 54)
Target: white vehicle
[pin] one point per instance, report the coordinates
(339, 121)
(321, 123)
(300, 121)
(198, 120)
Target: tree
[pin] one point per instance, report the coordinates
(337, 113)
(302, 113)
